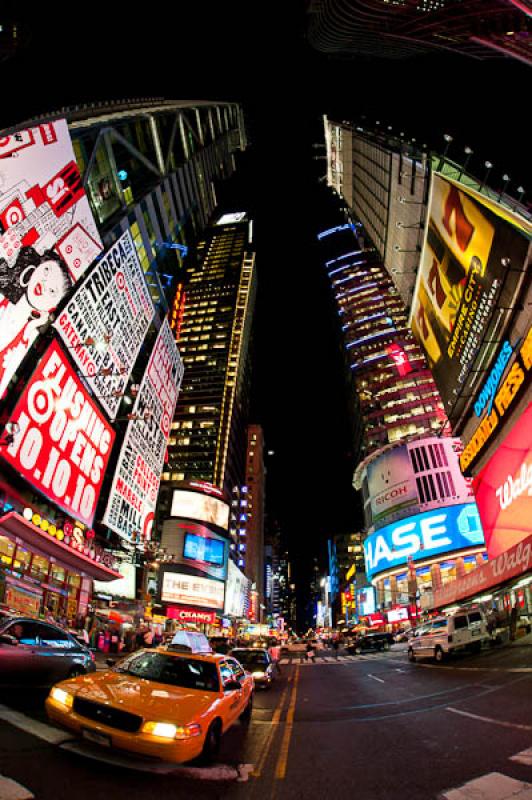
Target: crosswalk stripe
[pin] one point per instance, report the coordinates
(524, 757)
(493, 786)
(34, 727)
(11, 790)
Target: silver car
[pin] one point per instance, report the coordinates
(39, 654)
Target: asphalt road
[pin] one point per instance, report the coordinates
(371, 727)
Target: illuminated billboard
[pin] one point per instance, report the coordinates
(196, 546)
(471, 264)
(63, 442)
(499, 395)
(422, 537)
(126, 586)
(503, 489)
(190, 590)
(131, 506)
(113, 308)
(411, 478)
(236, 593)
(48, 236)
(192, 505)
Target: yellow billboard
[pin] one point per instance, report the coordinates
(471, 264)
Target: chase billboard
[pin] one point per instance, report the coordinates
(423, 536)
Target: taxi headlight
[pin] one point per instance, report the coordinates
(258, 674)
(62, 697)
(165, 730)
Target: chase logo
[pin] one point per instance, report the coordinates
(423, 536)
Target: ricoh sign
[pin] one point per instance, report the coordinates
(422, 537)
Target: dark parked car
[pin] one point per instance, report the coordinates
(370, 641)
(257, 661)
(35, 653)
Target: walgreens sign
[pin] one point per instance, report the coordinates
(63, 443)
(503, 489)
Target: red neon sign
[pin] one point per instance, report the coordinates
(63, 442)
(503, 490)
(400, 359)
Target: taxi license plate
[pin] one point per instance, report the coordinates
(97, 738)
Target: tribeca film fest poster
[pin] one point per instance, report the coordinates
(113, 301)
(48, 236)
(135, 484)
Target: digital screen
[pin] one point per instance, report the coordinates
(423, 536)
(198, 548)
(201, 507)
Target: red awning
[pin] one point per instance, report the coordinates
(37, 540)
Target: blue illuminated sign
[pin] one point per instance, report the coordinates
(122, 174)
(489, 390)
(423, 536)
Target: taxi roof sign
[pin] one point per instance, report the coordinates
(191, 640)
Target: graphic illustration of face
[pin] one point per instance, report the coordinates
(46, 286)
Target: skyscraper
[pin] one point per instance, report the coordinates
(212, 317)
(402, 28)
(255, 482)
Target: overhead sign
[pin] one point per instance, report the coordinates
(113, 309)
(499, 397)
(48, 236)
(192, 615)
(63, 442)
(196, 546)
(230, 219)
(191, 590)
(464, 275)
(391, 484)
(126, 586)
(513, 562)
(503, 489)
(133, 496)
(423, 536)
(193, 505)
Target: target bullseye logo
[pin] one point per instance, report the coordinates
(41, 402)
(120, 281)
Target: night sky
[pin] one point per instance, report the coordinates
(257, 55)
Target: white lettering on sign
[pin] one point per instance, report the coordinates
(409, 538)
(520, 557)
(512, 488)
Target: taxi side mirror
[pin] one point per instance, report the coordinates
(6, 638)
(232, 686)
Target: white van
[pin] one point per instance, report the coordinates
(465, 629)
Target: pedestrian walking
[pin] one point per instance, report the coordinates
(275, 655)
(513, 622)
(311, 653)
(335, 646)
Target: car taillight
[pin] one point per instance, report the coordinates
(450, 637)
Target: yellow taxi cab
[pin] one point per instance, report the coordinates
(172, 703)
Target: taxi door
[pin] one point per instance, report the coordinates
(234, 700)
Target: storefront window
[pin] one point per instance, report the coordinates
(6, 550)
(22, 559)
(57, 574)
(39, 567)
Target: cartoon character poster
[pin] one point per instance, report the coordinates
(48, 236)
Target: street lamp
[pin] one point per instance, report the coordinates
(506, 179)
(489, 167)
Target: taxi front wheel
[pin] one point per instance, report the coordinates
(246, 714)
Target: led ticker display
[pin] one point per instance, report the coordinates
(464, 275)
(503, 490)
(423, 536)
(63, 441)
(200, 548)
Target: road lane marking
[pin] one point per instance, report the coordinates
(274, 724)
(32, 726)
(500, 722)
(375, 678)
(524, 757)
(11, 790)
(493, 786)
(280, 770)
(477, 669)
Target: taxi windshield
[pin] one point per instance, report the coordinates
(187, 673)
